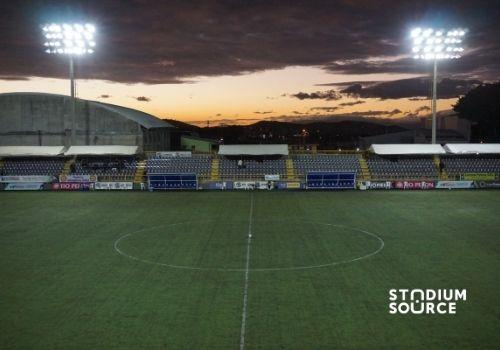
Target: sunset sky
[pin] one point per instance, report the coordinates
(244, 61)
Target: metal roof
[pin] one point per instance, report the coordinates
(408, 149)
(144, 119)
(101, 150)
(473, 148)
(253, 150)
(29, 151)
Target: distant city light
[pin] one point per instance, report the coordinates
(437, 44)
(69, 39)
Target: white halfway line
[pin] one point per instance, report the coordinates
(247, 271)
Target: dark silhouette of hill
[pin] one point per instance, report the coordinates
(326, 134)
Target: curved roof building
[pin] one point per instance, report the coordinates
(38, 119)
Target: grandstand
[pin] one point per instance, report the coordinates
(255, 163)
(251, 168)
(305, 163)
(389, 168)
(111, 168)
(471, 159)
(199, 164)
(23, 166)
(458, 165)
(114, 143)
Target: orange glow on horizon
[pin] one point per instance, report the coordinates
(241, 99)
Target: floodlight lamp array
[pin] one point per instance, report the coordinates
(432, 44)
(69, 39)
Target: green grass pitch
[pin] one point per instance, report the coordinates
(65, 285)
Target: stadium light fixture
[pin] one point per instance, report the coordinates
(436, 45)
(72, 40)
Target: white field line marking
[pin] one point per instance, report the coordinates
(271, 269)
(247, 272)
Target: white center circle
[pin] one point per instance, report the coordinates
(138, 234)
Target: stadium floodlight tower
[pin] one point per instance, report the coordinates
(436, 45)
(71, 40)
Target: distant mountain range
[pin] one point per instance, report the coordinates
(327, 134)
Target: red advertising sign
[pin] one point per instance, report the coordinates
(71, 186)
(413, 185)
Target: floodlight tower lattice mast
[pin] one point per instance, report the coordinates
(430, 44)
(72, 40)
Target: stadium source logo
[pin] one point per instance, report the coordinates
(425, 301)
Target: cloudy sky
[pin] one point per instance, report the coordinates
(243, 61)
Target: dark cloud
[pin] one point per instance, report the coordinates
(104, 96)
(225, 121)
(325, 109)
(353, 103)
(422, 109)
(394, 112)
(347, 83)
(479, 63)
(12, 78)
(173, 41)
(142, 99)
(375, 115)
(408, 88)
(264, 112)
(418, 98)
(354, 90)
(329, 95)
(154, 41)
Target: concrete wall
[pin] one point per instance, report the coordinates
(31, 120)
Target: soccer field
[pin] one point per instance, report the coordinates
(252, 270)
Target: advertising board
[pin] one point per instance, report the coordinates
(113, 186)
(413, 185)
(376, 185)
(25, 178)
(479, 176)
(24, 186)
(293, 185)
(455, 184)
(487, 184)
(72, 186)
(244, 185)
(77, 178)
(272, 177)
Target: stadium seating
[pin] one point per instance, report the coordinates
(107, 169)
(305, 163)
(252, 168)
(198, 163)
(380, 167)
(457, 165)
(30, 166)
(402, 167)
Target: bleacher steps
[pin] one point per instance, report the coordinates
(140, 170)
(214, 170)
(442, 175)
(365, 170)
(290, 169)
